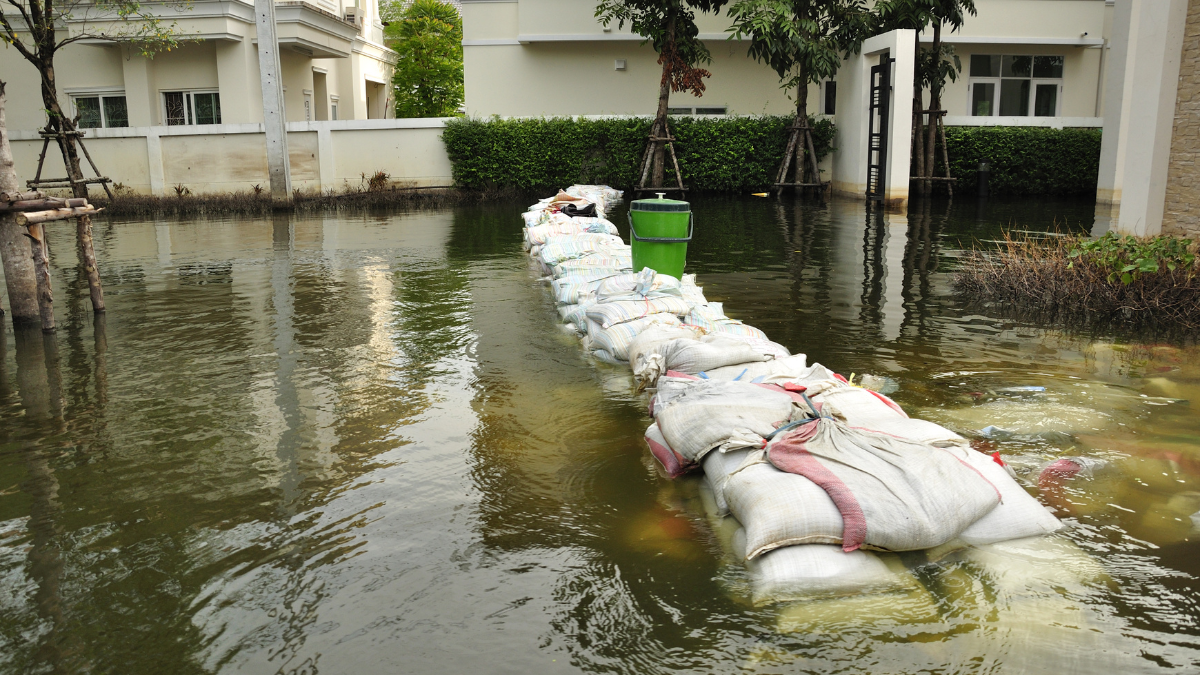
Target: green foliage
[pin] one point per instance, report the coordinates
(1128, 258)
(649, 18)
(427, 37)
(1025, 160)
(715, 154)
(802, 42)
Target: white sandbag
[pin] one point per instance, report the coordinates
(575, 314)
(558, 249)
(668, 389)
(573, 288)
(695, 356)
(691, 292)
(560, 226)
(727, 415)
(718, 466)
(535, 217)
(820, 570)
(645, 283)
(893, 494)
(614, 340)
(776, 371)
(780, 509)
(711, 317)
(608, 261)
(673, 465)
(611, 313)
(1017, 516)
(649, 338)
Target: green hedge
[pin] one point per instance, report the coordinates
(715, 154)
(1026, 160)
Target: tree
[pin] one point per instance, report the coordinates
(670, 27)
(42, 21)
(427, 36)
(803, 41)
(934, 66)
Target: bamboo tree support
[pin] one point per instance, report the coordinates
(801, 136)
(78, 185)
(659, 137)
(935, 118)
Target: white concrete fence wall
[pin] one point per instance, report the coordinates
(232, 157)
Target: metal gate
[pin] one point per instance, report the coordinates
(878, 114)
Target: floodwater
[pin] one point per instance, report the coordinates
(362, 444)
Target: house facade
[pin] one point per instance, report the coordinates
(334, 67)
(1023, 62)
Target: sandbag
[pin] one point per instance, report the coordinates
(727, 415)
(561, 226)
(672, 463)
(691, 292)
(1017, 516)
(608, 261)
(820, 570)
(611, 313)
(865, 409)
(670, 387)
(696, 356)
(558, 249)
(718, 466)
(649, 338)
(779, 509)
(644, 283)
(893, 494)
(711, 318)
(776, 371)
(614, 340)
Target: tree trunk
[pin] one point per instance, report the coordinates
(14, 247)
(41, 267)
(801, 121)
(66, 144)
(935, 103)
(659, 128)
(918, 151)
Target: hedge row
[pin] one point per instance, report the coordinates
(723, 154)
(1026, 160)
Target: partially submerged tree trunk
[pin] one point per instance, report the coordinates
(801, 121)
(14, 247)
(66, 143)
(918, 147)
(935, 104)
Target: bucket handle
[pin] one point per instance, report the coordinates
(663, 240)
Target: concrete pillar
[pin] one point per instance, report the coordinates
(274, 120)
(236, 64)
(141, 99)
(852, 118)
(1140, 90)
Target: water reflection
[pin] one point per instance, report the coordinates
(362, 443)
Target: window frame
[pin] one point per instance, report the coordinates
(998, 82)
(100, 95)
(189, 107)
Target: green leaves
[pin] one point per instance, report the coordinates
(427, 37)
(1025, 160)
(801, 40)
(715, 154)
(1128, 258)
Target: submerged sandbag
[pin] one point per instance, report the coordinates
(718, 466)
(671, 462)
(820, 570)
(893, 494)
(710, 414)
(1017, 516)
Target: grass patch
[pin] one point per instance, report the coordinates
(1125, 283)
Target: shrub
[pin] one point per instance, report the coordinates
(715, 154)
(1108, 282)
(1025, 160)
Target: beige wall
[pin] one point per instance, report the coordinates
(1182, 210)
(231, 157)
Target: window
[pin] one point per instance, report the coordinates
(191, 107)
(830, 97)
(1015, 85)
(101, 110)
(333, 111)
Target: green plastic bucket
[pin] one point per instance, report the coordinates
(660, 230)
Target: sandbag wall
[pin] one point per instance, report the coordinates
(813, 482)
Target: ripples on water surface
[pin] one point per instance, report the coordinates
(362, 444)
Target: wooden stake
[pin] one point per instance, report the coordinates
(41, 267)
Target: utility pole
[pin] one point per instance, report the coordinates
(272, 92)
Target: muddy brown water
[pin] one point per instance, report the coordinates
(362, 444)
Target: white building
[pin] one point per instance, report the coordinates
(1022, 59)
(334, 64)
